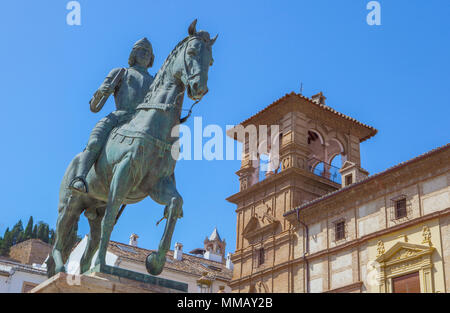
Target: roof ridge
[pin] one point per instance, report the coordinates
(329, 108)
(322, 106)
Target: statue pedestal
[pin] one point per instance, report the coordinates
(108, 279)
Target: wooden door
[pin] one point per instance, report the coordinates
(406, 284)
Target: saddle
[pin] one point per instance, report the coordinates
(121, 135)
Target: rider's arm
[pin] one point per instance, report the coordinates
(106, 88)
(104, 91)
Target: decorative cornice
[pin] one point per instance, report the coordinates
(277, 178)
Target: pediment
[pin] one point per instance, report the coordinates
(260, 223)
(347, 165)
(404, 251)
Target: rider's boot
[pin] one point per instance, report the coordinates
(79, 183)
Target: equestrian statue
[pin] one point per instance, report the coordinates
(130, 153)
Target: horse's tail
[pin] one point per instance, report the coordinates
(70, 242)
(50, 265)
(71, 237)
(120, 213)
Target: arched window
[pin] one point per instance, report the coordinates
(335, 166)
(336, 161)
(318, 168)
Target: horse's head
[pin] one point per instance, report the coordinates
(195, 59)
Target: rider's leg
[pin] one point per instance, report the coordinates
(97, 139)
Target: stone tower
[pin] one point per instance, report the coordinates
(309, 135)
(214, 247)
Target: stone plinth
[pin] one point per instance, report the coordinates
(108, 279)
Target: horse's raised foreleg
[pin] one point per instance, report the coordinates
(95, 225)
(165, 193)
(121, 184)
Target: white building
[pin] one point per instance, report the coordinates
(16, 277)
(207, 271)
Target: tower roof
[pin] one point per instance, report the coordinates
(215, 235)
(315, 109)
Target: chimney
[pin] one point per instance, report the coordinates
(133, 240)
(319, 98)
(229, 264)
(178, 252)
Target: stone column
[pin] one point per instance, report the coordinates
(353, 154)
(294, 143)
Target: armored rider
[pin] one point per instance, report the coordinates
(129, 87)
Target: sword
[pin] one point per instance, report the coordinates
(97, 103)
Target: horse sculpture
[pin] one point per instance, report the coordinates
(136, 161)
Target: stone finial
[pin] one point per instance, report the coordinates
(403, 238)
(380, 248)
(426, 235)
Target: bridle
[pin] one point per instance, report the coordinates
(190, 77)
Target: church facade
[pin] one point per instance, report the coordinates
(309, 226)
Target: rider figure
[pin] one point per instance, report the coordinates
(128, 94)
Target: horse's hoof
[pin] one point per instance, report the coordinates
(155, 263)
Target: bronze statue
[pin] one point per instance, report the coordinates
(136, 160)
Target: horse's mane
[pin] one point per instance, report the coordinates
(159, 78)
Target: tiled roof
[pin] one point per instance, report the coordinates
(370, 178)
(189, 264)
(322, 106)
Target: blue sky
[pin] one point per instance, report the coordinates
(394, 77)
